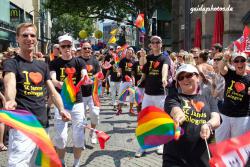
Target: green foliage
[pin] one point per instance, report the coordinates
(67, 23)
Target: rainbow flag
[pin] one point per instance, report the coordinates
(139, 22)
(155, 127)
(138, 96)
(27, 123)
(68, 93)
(123, 95)
(95, 91)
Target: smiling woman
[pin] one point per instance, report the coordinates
(196, 113)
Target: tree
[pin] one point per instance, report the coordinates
(117, 10)
(72, 24)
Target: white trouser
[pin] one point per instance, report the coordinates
(123, 86)
(232, 127)
(150, 100)
(114, 87)
(61, 127)
(94, 111)
(21, 149)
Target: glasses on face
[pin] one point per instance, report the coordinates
(196, 57)
(65, 46)
(180, 56)
(240, 61)
(27, 35)
(157, 42)
(218, 59)
(186, 75)
(86, 48)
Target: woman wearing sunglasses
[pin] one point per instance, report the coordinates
(235, 110)
(197, 114)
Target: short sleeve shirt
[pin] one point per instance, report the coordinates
(31, 89)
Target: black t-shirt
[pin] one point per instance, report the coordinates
(59, 65)
(197, 110)
(31, 89)
(92, 66)
(236, 98)
(153, 71)
(137, 71)
(126, 66)
(113, 73)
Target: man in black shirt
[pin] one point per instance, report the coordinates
(155, 73)
(25, 81)
(58, 73)
(92, 66)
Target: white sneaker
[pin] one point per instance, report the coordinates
(139, 153)
(93, 138)
(160, 149)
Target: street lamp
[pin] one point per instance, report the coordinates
(41, 25)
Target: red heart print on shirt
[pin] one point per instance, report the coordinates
(89, 67)
(156, 64)
(198, 105)
(130, 65)
(239, 86)
(71, 70)
(35, 77)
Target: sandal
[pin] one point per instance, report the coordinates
(3, 148)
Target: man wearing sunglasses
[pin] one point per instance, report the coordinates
(58, 73)
(235, 110)
(155, 74)
(93, 67)
(26, 81)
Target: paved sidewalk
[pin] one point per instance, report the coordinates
(119, 150)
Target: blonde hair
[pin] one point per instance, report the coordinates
(189, 59)
(24, 25)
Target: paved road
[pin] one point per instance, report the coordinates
(119, 150)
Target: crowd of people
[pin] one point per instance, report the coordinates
(200, 89)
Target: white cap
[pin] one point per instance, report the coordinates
(65, 38)
(186, 68)
(155, 37)
(238, 54)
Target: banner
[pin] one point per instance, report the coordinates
(233, 152)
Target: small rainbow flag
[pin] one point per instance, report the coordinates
(123, 95)
(27, 123)
(155, 127)
(68, 93)
(139, 22)
(138, 96)
(95, 91)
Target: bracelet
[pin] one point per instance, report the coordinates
(210, 127)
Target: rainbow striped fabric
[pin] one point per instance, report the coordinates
(27, 123)
(68, 93)
(95, 91)
(139, 22)
(155, 127)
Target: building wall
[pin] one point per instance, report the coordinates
(232, 21)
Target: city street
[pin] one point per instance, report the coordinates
(119, 150)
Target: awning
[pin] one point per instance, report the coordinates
(163, 14)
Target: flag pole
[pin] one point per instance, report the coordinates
(208, 152)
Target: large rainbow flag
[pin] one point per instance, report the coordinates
(27, 123)
(155, 127)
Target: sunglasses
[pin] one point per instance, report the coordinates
(186, 75)
(66, 46)
(158, 42)
(27, 35)
(86, 48)
(218, 59)
(240, 61)
(196, 57)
